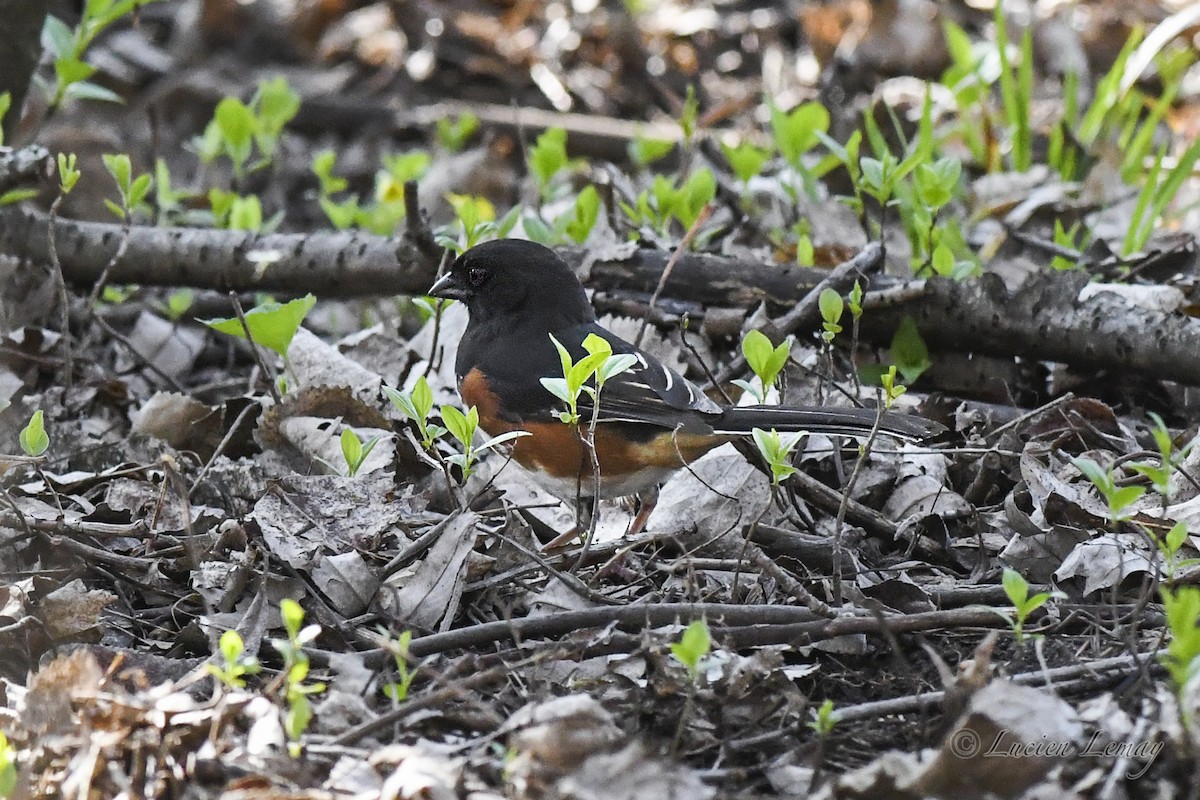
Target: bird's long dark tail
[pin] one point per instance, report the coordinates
(816, 419)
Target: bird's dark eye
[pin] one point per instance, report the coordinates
(477, 276)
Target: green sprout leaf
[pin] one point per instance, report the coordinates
(272, 325)
(693, 645)
(33, 437)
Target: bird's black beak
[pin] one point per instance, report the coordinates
(449, 287)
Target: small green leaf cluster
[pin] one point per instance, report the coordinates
(668, 207)
(1119, 498)
(598, 365)
(746, 159)
(406, 673)
(574, 225)
(910, 355)
(918, 185)
(8, 767)
(295, 672)
(694, 644)
(831, 306)
(238, 130)
(453, 133)
(355, 451)
(235, 663)
(69, 45)
(765, 360)
(462, 427)
(1068, 238)
(272, 325)
(1182, 659)
(475, 221)
(1016, 588)
(179, 302)
(560, 217)
(386, 209)
(796, 133)
(776, 449)
(823, 719)
(33, 438)
(132, 190)
(417, 406)
(891, 390)
(644, 150)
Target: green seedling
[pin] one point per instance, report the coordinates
(115, 295)
(909, 353)
(235, 212)
(417, 406)
(1016, 588)
(133, 190)
(168, 200)
(1065, 237)
(295, 672)
(796, 132)
(547, 158)
(644, 151)
(823, 719)
(1119, 498)
(891, 390)
(665, 203)
(386, 209)
(239, 129)
(454, 132)
(831, 306)
(354, 451)
(323, 164)
(68, 46)
(235, 663)
(5, 106)
(575, 375)
(689, 115)
(694, 644)
(1169, 545)
(272, 325)
(806, 253)
(179, 302)
(575, 224)
(398, 690)
(776, 450)
(8, 767)
(745, 159)
(463, 427)
(1169, 458)
(475, 220)
(1182, 659)
(581, 219)
(68, 174)
(854, 301)
(765, 360)
(33, 438)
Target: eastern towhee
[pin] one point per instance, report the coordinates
(652, 420)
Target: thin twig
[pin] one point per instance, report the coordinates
(684, 243)
(60, 285)
(267, 370)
